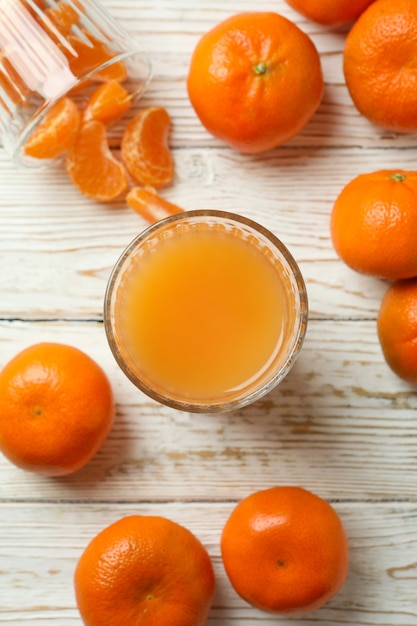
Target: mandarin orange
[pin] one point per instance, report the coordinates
(56, 409)
(255, 80)
(144, 570)
(374, 224)
(397, 328)
(380, 61)
(330, 12)
(285, 550)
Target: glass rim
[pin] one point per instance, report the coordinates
(297, 337)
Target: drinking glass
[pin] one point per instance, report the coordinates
(49, 49)
(175, 274)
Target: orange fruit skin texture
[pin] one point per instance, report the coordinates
(285, 550)
(57, 131)
(56, 409)
(145, 150)
(373, 224)
(330, 12)
(397, 328)
(92, 167)
(144, 570)
(380, 64)
(255, 80)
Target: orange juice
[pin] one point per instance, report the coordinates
(202, 312)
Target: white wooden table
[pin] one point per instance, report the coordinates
(341, 424)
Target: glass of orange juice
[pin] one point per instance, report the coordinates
(206, 311)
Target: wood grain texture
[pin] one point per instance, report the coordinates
(43, 545)
(341, 424)
(47, 224)
(340, 421)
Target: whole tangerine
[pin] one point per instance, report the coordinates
(145, 570)
(56, 409)
(374, 224)
(285, 550)
(329, 12)
(397, 328)
(380, 61)
(255, 80)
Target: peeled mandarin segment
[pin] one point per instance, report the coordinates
(57, 22)
(56, 133)
(39, 3)
(87, 58)
(145, 150)
(16, 90)
(114, 71)
(80, 5)
(63, 17)
(109, 101)
(150, 205)
(12, 93)
(92, 167)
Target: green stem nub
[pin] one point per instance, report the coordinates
(398, 178)
(260, 68)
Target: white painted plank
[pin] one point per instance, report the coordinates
(40, 546)
(57, 247)
(341, 421)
